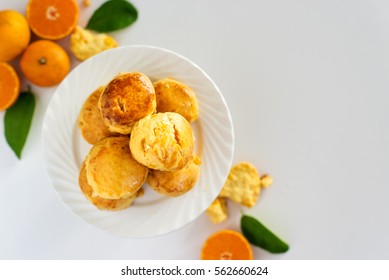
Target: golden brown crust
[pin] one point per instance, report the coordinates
(163, 141)
(174, 96)
(175, 183)
(111, 170)
(90, 121)
(127, 98)
(102, 203)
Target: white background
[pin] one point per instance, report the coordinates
(307, 86)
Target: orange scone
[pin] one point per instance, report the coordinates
(174, 96)
(90, 121)
(175, 183)
(111, 170)
(126, 99)
(103, 203)
(163, 141)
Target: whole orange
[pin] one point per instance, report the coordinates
(45, 63)
(14, 34)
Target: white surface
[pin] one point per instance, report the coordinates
(65, 149)
(307, 86)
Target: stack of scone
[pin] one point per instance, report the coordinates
(140, 133)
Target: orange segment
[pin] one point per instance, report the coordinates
(226, 245)
(9, 86)
(52, 19)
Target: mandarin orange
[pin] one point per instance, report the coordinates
(15, 34)
(9, 86)
(226, 245)
(52, 19)
(45, 63)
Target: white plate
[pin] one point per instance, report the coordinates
(64, 148)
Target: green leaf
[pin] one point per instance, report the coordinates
(258, 235)
(113, 15)
(17, 121)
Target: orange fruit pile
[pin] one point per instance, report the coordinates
(9, 86)
(43, 62)
(226, 245)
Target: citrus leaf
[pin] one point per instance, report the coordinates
(258, 235)
(17, 122)
(112, 15)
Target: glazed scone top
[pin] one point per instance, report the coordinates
(90, 121)
(103, 203)
(111, 170)
(127, 98)
(163, 141)
(175, 96)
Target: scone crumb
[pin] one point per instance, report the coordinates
(84, 43)
(266, 181)
(86, 3)
(243, 184)
(217, 212)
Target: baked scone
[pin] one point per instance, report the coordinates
(103, 203)
(163, 141)
(174, 96)
(111, 170)
(90, 121)
(127, 98)
(217, 212)
(175, 183)
(243, 184)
